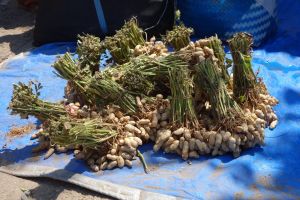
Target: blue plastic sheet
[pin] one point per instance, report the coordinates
(227, 17)
(268, 172)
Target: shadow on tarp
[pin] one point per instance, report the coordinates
(55, 48)
(9, 156)
(292, 96)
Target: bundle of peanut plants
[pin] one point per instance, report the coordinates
(185, 102)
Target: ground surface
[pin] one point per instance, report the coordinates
(16, 28)
(14, 188)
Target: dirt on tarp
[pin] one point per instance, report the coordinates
(20, 131)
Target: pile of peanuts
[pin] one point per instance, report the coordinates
(152, 48)
(198, 51)
(188, 143)
(135, 131)
(121, 153)
(191, 143)
(152, 123)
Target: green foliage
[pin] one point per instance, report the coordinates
(179, 37)
(89, 133)
(214, 87)
(216, 44)
(244, 79)
(25, 102)
(181, 85)
(121, 45)
(89, 50)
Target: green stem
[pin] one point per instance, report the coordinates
(141, 157)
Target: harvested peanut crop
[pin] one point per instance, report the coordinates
(185, 102)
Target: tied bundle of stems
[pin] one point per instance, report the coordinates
(25, 101)
(132, 31)
(89, 49)
(121, 45)
(216, 44)
(182, 108)
(137, 81)
(94, 89)
(214, 87)
(179, 37)
(118, 46)
(140, 73)
(68, 69)
(89, 133)
(109, 91)
(155, 68)
(164, 64)
(244, 79)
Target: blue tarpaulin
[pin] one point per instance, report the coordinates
(268, 172)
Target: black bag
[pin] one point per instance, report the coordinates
(63, 20)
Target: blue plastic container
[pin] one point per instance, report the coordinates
(226, 17)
